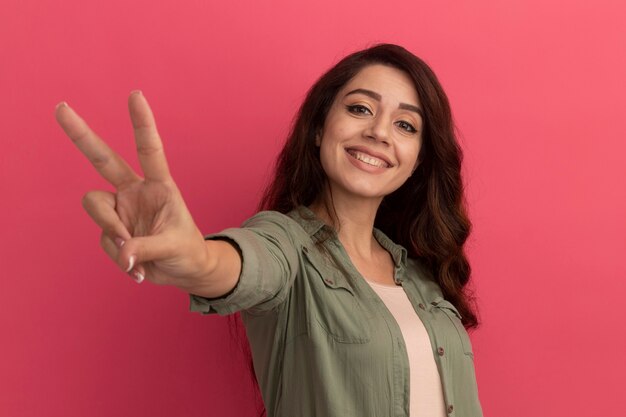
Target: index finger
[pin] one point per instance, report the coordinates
(108, 163)
(149, 146)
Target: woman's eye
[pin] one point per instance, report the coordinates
(407, 126)
(358, 109)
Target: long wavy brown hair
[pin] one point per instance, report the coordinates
(427, 214)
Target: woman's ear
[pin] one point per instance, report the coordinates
(420, 157)
(417, 162)
(318, 139)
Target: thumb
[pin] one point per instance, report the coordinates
(144, 249)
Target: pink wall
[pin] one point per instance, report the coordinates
(538, 93)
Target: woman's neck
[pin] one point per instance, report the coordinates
(354, 220)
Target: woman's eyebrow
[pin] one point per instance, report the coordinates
(378, 97)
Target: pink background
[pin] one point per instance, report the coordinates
(537, 90)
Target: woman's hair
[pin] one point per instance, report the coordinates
(427, 214)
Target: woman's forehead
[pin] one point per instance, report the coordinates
(388, 83)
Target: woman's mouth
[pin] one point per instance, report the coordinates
(368, 159)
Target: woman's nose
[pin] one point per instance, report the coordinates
(378, 129)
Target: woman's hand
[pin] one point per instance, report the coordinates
(146, 226)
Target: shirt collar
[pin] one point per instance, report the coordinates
(310, 222)
(315, 228)
(398, 252)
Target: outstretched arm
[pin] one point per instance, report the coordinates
(146, 226)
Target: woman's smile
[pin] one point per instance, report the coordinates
(369, 156)
(369, 160)
(359, 159)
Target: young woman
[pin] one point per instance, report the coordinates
(351, 279)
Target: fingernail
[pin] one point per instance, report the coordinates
(61, 104)
(136, 92)
(131, 263)
(138, 277)
(119, 242)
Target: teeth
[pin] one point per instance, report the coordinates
(368, 159)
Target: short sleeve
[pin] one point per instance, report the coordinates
(268, 246)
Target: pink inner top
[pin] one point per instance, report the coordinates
(426, 399)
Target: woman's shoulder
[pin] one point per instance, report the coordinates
(267, 216)
(424, 277)
(292, 223)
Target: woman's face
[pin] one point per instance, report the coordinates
(372, 134)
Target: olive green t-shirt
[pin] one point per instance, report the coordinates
(323, 343)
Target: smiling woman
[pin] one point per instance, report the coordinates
(370, 127)
(350, 280)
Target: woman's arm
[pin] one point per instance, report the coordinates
(146, 226)
(223, 270)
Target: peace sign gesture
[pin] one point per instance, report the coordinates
(146, 226)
